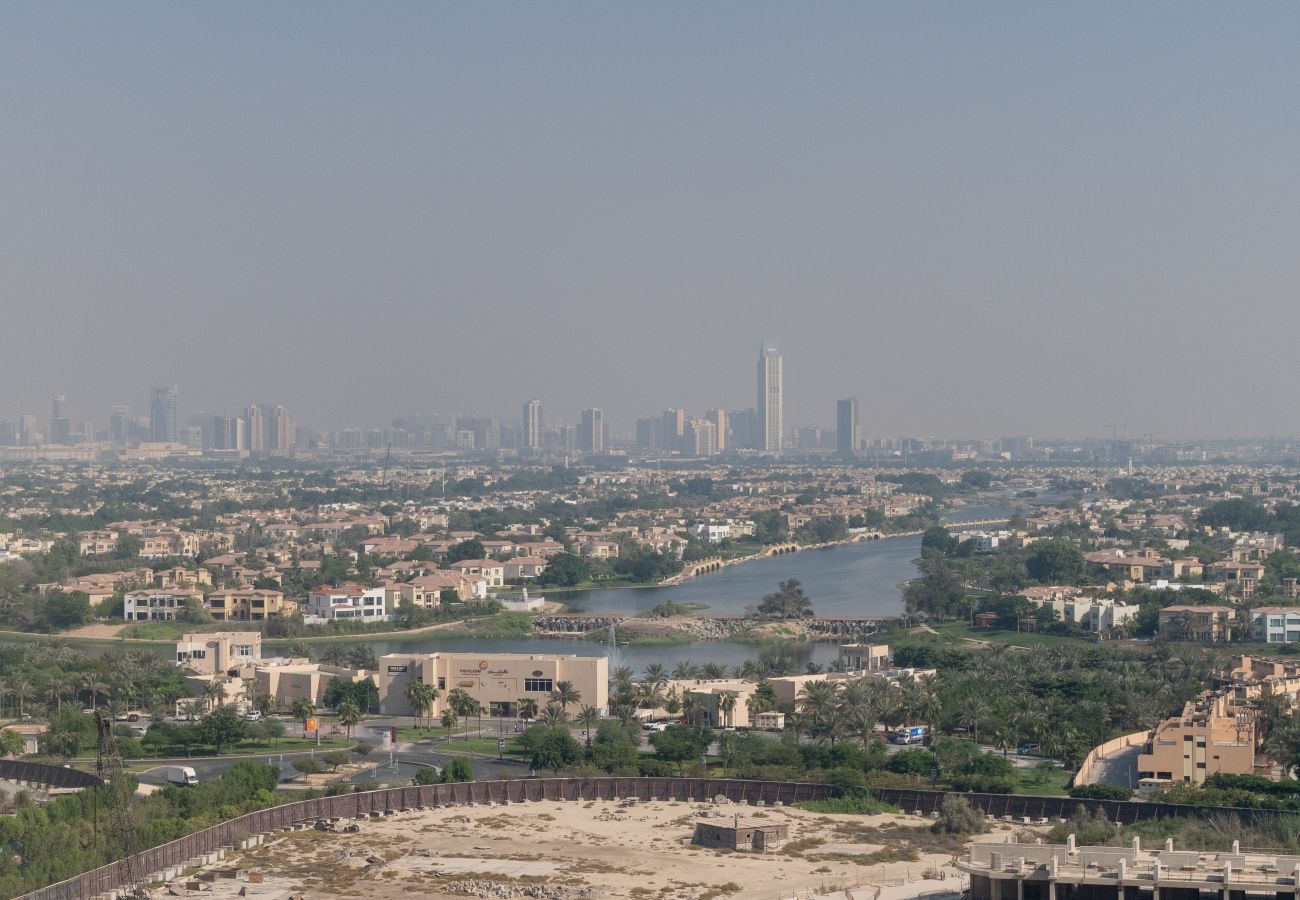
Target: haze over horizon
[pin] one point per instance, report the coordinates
(980, 220)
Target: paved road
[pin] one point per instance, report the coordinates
(1119, 768)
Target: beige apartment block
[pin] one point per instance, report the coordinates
(497, 680)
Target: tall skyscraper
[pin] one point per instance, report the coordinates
(254, 429)
(719, 419)
(27, 429)
(701, 438)
(119, 424)
(280, 433)
(743, 424)
(591, 431)
(164, 423)
(770, 408)
(532, 439)
(60, 424)
(649, 434)
(846, 426)
(673, 431)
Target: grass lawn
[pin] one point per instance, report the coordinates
(411, 733)
(959, 632)
(172, 631)
(1055, 785)
(486, 746)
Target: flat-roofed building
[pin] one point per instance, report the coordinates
(216, 652)
(497, 680)
(348, 601)
(248, 604)
(158, 605)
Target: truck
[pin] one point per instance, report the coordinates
(910, 734)
(180, 775)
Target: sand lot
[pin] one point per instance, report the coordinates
(599, 849)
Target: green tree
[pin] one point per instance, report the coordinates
(467, 549)
(221, 728)
(550, 747)
(1056, 562)
(679, 744)
(788, 601)
(12, 743)
(586, 717)
(564, 570)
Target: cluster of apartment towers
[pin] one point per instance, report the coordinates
(761, 428)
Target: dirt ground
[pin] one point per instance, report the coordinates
(97, 630)
(599, 849)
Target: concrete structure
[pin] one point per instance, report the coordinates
(497, 680)
(348, 601)
(591, 431)
(164, 415)
(865, 657)
(846, 426)
(735, 833)
(158, 605)
(1216, 731)
(248, 604)
(218, 652)
(1001, 871)
(771, 421)
(532, 431)
(1276, 624)
(1204, 624)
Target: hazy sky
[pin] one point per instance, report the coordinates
(981, 218)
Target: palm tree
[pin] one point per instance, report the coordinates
(23, 691)
(421, 697)
(214, 693)
(56, 692)
(654, 674)
(449, 721)
(690, 708)
(565, 693)
(586, 717)
(816, 700)
(527, 708)
(973, 712)
(650, 697)
(460, 702)
(349, 714)
(93, 686)
(302, 710)
(553, 714)
(621, 677)
(714, 670)
(265, 703)
(192, 709)
(727, 706)
(685, 670)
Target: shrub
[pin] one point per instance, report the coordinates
(309, 765)
(957, 816)
(1100, 792)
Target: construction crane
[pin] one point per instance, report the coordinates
(117, 794)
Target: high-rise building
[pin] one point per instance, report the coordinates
(532, 435)
(27, 429)
(649, 434)
(9, 433)
(60, 424)
(701, 438)
(673, 431)
(770, 405)
(591, 431)
(119, 424)
(254, 429)
(280, 431)
(743, 425)
(164, 422)
(846, 426)
(719, 419)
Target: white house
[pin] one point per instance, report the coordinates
(711, 533)
(348, 601)
(1276, 624)
(157, 605)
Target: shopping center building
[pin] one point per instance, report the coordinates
(496, 680)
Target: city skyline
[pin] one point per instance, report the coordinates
(961, 205)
